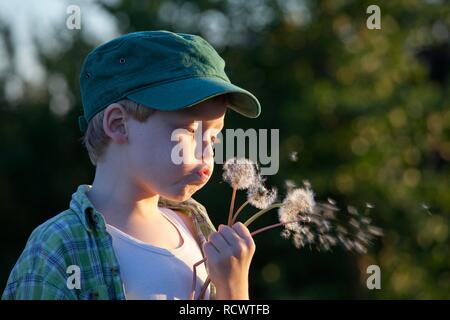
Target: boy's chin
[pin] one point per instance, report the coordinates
(183, 195)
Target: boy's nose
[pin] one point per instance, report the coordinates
(208, 155)
(205, 153)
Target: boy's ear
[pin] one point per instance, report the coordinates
(115, 123)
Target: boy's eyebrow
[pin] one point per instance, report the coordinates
(188, 119)
(179, 122)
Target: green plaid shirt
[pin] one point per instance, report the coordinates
(78, 237)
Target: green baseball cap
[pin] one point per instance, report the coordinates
(159, 69)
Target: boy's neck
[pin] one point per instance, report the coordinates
(119, 200)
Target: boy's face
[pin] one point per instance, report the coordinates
(152, 145)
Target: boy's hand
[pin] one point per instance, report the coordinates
(229, 253)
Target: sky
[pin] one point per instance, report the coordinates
(45, 21)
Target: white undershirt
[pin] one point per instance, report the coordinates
(153, 273)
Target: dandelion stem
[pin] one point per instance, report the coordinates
(205, 286)
(239, 210)
(194, 277)
(254, 233)
(260, 213)
(230, 213)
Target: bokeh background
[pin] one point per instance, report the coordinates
(364, 116)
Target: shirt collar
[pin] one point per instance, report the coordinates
(94, 220)
(89, 216)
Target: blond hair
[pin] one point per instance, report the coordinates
(95, 139)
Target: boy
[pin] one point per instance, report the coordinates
(135, 233)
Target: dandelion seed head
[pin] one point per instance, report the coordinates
(297, 205)
(300, 200)
(240, 173)
(261, 197)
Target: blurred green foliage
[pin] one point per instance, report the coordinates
(368, 112)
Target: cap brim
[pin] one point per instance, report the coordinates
(187, 92)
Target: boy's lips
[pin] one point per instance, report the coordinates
(204, 172)
(201, 176)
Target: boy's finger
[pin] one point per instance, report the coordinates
(243, 232)
(209, 249)
(230, 235)
(219, 242)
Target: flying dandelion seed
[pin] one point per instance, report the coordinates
(375, 231)
(353, 222)
(329, 214)
(319, 229)
(359, 248)
(293, 156)
(352, 210)
(328, 208)
(369, 205)
(289, 184)
(306, 184)
(365, 221)
(285, 233)
(361, 236)
(331, 240)
(298, 241)
(426, 207)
